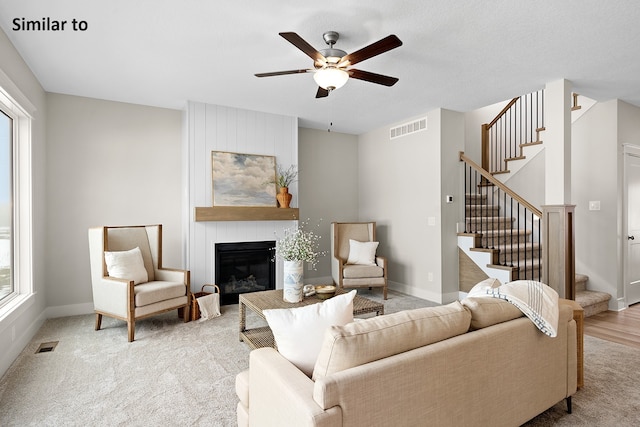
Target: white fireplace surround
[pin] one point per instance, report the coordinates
(212, 127)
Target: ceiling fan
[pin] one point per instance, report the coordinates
(332, 67)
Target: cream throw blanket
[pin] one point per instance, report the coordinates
(536, 300)
(209, 306)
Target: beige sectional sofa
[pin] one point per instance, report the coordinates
(477, 362)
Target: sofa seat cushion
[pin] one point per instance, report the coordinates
(358, 271)
(378, 337)
(156, 291)
(489, 311)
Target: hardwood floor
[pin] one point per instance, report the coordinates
(622, 327)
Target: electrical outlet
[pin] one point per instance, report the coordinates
(594, 205)
(430, 276)
(431, 220)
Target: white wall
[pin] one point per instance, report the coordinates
(108, 163)
(212, 127)
(594, 177)
(328, 187)
(402, 189)
(473, 120)
(17, 328)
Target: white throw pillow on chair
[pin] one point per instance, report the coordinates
(127, 265)
(363, 253)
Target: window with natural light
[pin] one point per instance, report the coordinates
(6, 214)
(16, 275)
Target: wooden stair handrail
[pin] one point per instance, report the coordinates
(503, 112)
(490, 178)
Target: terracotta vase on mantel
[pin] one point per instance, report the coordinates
(284, 197)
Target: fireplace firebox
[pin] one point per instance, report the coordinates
(244, 267)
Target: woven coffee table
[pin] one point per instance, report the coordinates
(258, 301)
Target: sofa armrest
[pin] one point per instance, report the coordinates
(281, 394)
(381, 261)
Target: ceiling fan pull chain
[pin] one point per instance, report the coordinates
(330, 114)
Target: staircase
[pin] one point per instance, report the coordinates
(593, 302)
(511, 249)
(502, 231)
(511, 253)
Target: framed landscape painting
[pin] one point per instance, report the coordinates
(243, 179)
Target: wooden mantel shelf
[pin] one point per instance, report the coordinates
(242, 213)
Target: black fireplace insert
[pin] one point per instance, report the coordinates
(244, 267)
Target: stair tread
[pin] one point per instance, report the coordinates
(593, 295)
(581, 277)
(510, 159)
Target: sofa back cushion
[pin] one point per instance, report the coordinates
(487, 311)
(378, 337)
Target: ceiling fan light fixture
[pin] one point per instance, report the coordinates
(331, 78)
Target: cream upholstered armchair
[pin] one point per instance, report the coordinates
(127, 277)
(354, 263)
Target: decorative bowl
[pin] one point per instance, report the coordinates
(325, 291)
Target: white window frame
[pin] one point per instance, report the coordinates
(18, 107)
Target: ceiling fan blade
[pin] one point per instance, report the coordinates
(381, 46)
(301, 44)
(372, 77)
(322, 92)
(281, 73)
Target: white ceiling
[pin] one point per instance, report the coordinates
(460, 55)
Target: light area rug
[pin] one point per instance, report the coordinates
(184, 374)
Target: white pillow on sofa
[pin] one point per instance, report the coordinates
(127, 265)
(363, 253)
(299, 332)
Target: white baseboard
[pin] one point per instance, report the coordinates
(69, 310)
(21, 341)
(621, 304)
(416, 292)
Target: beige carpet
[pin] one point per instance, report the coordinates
(183, 374)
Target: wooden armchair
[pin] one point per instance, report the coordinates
(357, 274)
(133, 291)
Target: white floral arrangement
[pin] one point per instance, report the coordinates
(298, 244)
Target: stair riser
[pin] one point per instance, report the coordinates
(478, 226)
(512, 256)
(475, 199)
(503, 240)
(476, 211)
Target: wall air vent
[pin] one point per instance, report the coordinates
(408, 128)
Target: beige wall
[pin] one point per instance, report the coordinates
(17, 329)
(403, 183)
(328, 186)
(108, 163)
